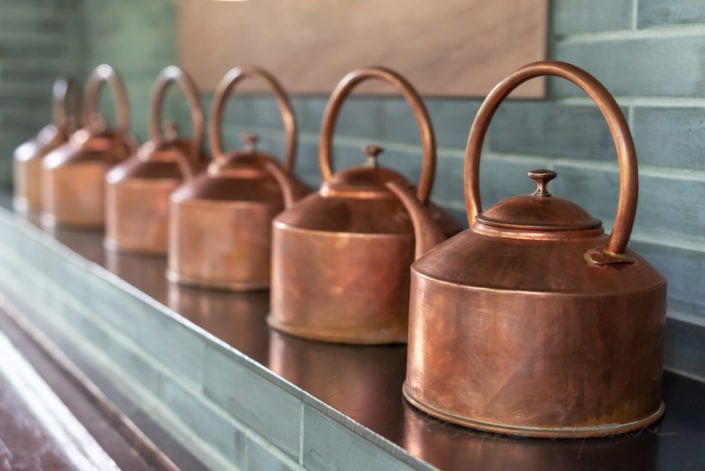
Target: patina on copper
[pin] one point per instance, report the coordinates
(341, 256)
(73, 175)
(220, 227)
(138, 189)
(29, 156)
(533, 321)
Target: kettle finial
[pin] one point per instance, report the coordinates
(250, 139)
(171, 131)
(542, 176)
(372, 152)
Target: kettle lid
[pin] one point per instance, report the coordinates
(366, 180)
(539, 211)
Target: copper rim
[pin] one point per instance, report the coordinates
(177, 278)
(334, 336)
(227, 86)
(621, 136)
(335, 103)
(538, 432)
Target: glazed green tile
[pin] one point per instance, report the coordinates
(550, 129)
(263, 406)
(646, 67)
(684, 348)
(589, 16)
(684, 268)
(671, 137)
(330, 445)
(259, 458)
(670, 13)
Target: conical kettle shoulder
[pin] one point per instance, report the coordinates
(351, 216)
(476, 260)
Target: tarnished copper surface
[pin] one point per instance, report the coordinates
(533, 321)
(73, 189)
(341, 256)
(327, 371)
(29, 156)
(220, 229)
(138, 190)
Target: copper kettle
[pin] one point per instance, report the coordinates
(534, 321)
(73, 175)
(341, 256)
(138, 189)
(29, 156)
(220, 229)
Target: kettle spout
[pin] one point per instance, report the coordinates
(285, 182)
(426, 231)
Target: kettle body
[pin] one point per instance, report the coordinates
(28, 157)
(220, 228)
(73, 175)
(138, 189)
(533, 321)
(341, 256)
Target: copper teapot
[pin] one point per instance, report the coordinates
(73, 175)
(341, 256)
(138, 189)
(220, 229)
(535, 322)
(29, 156)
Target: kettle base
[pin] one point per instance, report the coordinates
(539, 432)
(369, 337)
(113, 246)
(51, 222)
(221, 285)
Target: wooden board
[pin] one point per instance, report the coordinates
(445, 47)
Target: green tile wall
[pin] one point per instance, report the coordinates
(649, 53)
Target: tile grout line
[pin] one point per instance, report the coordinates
(302, 405)
(653, 32)
(635, 15)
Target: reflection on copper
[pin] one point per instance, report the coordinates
(449, 446)
(234, 317)
(360, 381)
(145, 272)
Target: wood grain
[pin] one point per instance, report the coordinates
(448, 47)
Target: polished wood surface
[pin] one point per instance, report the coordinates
(445, 48)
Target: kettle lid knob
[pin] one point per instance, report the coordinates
(250, 139)
(542, 176)
(171, 131)
(372, 152)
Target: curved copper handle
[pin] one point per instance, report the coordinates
(341, 92)
(66, 93)
(106, 74)
(621, 136)
(227, 85)
(173, 74)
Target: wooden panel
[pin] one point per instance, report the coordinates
(449, 47)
